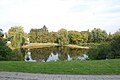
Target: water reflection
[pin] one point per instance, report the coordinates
(56, 54)
(83, 57)
(28, 57)
(53, 57)
(69, 58)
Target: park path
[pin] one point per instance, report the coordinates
(31, 76)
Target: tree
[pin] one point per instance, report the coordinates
(99, 52)
(75, 37)
(109, 38)
(39, 35)
(16, 35)
(53, 37)
(33, 35)
(98, 35)
(85, 36)
(109, 50)
(115, 46)
(63, 37)
(5, 51)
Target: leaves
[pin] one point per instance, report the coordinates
(98, 35)
(63, 37)
(16, 34)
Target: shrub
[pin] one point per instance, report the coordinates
(99, 52)
(5, 51)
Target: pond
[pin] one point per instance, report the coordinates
(55, 54)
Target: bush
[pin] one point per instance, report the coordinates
(5, 51)
(115, 47)
(99, 52)
(6, 54)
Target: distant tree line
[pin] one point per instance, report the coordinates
(64, 37)
(18, 37)
(107, 44)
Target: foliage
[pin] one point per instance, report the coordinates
(115, 46)
(5, 51)
(76, 37)
(109, 38)
(63, 37)
(85, 36)
(6, 54)
(17, 55)
(99, 52)
(53, 36)
(98, 35)
(107, 50)
(16, 34)
(39, 35)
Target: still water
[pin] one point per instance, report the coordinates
(55, 54)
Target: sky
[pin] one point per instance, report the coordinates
(79, 15)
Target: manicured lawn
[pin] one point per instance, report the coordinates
(64, 67)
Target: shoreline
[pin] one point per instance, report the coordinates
(42, 45)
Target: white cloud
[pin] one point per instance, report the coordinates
(56, 14)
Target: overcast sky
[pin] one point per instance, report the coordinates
(56, 14)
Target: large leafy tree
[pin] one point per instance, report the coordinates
(84, 36)
(5, 51)
(115, 46)
(98, 35)
(109, 50)
(39, 35)
(63, 37)
(99, 52)
(33, 35)
(53, 37)
(16, 35)
(75, 37)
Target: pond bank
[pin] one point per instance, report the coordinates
(41, 45)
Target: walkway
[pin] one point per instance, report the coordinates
(30, 76)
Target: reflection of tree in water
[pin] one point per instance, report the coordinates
(77, 52)
(40, 54)
(63, 52)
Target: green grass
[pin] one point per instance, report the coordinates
(63, 67)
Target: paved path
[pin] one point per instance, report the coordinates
(30, 76)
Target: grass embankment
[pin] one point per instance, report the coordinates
(64, 67)
(41, 45)
(76, 46)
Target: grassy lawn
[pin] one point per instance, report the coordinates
(64, 67)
